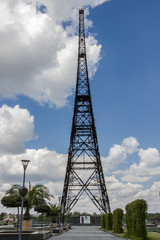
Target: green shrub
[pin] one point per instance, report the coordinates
(136, 212)
(103, 221)
(129, 222)
(108, 221)
(117, 220)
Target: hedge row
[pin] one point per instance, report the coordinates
(117, 220)
(135, 219)
(103, 221)
(113, 221)
(107, 221)
(136, 212)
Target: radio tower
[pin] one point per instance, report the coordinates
(84, 173)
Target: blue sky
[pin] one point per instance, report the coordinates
(38, 73)
(128, 77)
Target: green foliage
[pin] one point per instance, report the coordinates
(36, 196)
(103, 221)
(14, 190)
(153, 236)
(53, 212)
(136, 212)
(129, 223)
(11, 201)
(108, 221)
(2, 215)
(42, 209)
(12, 198)
(117, 220)
(84, 214)
(153, 229)
(76, 213)
(154, 216)
(94, 214)
(70, 217)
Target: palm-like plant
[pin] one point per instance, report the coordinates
(37, 195)
(53, 212)
(14, 190)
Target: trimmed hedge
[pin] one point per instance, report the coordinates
(117, 220)
(136, 212)
(103, 221)
(108, 221)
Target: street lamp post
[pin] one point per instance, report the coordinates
(25, 164)
(59, 219)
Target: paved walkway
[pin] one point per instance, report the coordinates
(85, 233)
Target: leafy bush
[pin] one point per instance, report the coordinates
(136, 213)
(103, 221)
(108, 221)
(117, 220)
(11, 201)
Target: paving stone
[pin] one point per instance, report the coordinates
(86, 233)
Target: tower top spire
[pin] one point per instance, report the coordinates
(81, 11)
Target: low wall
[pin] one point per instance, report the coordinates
(25, 236)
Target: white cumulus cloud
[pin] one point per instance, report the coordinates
(149, 157)
(38, 54)
(16, 127)
(145, 169)
(48, 167)
(130, 144)
(118, 153)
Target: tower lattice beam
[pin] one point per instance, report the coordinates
(84, 173)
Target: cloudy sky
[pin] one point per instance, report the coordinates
(38, 61)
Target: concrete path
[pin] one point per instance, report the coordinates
(85, 233)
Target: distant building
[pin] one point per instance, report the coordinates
(10, 218)
(86, 220)
(155, 221)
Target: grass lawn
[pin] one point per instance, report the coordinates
(151, 235)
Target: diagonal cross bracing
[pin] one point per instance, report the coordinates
(84, 171)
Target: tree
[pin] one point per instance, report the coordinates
(37, 195)
(94, 214)
(76, 213)
(42, 209)
(2, 215)
(53, 212)
(84, 214)
(153, 216)
(12, 199)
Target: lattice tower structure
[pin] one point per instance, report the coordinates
(84, 173)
